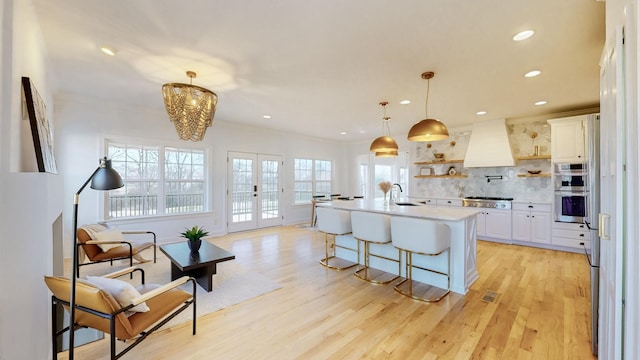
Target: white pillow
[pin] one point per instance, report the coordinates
(122, 291)
(109, 235)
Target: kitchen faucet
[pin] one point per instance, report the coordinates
(399, 187)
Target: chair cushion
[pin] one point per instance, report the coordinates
(92, 297)
(162, 305)
(122, 291)
(109, 235)
(422, 236)
(333, 221)
(371, 227)
(90, 250)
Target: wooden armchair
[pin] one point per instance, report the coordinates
(100, 309)
(126, 249)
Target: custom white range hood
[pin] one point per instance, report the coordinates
(489, 145)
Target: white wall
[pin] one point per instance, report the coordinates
(83, 124)
(30, 202)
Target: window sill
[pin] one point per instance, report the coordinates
(146, 219)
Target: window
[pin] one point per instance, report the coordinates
(373, 170)
(158, 180)
(311, 177)
(183, 181)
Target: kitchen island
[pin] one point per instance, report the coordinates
(462, 225)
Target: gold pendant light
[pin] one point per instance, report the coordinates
(387, 153)
(385, 143)
(428, 129)
(190, 108)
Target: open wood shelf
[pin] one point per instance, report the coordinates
(539, 157)
(438, 162)
(534, 175)
(439, 176)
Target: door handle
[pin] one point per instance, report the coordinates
(601, 230)
(255, 188)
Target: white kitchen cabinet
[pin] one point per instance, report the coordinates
(531, 222)
(572, 235)
(430, 202)
(481, 224)
(568, 139)
(494, 224)
(449, 202)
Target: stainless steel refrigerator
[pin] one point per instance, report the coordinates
(593, 147)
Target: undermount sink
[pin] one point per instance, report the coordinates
(406, 204)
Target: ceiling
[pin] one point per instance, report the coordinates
(321, 68)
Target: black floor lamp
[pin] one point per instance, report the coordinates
(103, 178)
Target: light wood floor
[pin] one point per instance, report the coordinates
(541, 311)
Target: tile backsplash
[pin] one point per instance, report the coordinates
(523, 138)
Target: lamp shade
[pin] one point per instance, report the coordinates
(106, 178)
(387, 153)
(383, 144)
(428, 130)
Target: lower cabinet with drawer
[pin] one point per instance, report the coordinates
(531, 222)
(449, 202)
(571, 235)
(430, 202)
(494, 224)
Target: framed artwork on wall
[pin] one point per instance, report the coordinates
(34, 109)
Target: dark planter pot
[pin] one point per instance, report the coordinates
(194, 245)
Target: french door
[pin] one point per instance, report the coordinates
(254, 192)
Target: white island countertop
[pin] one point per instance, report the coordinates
(418, 211)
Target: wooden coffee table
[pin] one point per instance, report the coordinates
(202, 266)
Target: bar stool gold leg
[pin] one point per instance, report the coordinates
(364, 272)
(434, 241)
(345, 264)
(408, 290)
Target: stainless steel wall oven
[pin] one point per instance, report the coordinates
(571, 177)
(571, 206)
(571, 185)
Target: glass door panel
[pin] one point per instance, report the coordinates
(254, 191)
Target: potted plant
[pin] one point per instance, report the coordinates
(194, 237)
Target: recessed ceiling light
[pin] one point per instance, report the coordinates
(523, 35)
(533, 73)
(481, 113)
(405, 102)
(541, 102)
(343, 133)
(109, 50)
(266, 116)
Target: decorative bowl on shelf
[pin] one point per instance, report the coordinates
(439, 156)
(534, 172)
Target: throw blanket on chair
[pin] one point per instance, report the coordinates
(91, 229)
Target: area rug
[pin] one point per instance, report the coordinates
(232, 284)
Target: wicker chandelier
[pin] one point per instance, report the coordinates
(190, 108)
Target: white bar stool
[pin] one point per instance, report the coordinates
(425, 237)
(372, 228)
(334, 222)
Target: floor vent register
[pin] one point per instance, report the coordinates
(490, 296)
